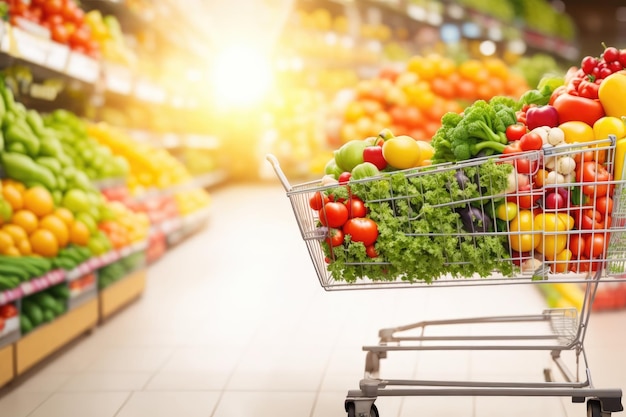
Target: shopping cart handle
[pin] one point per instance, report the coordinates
(279, 172)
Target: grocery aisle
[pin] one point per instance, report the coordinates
(234, 323)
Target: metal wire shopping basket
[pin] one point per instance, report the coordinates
(552, 216)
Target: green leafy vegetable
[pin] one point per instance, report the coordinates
(421, 237)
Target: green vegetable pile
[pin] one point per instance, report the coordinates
(479, 131)
(43, 307)
(421, 236)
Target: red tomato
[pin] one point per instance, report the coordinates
(361, 229)
(1, 324)
(531, 142)
(371, 251)
(51, 7)
(604, 205)
(583, 156)
(8, 310)
(516, 131)
(333, 214)
(583, 264)
(526, 198)
(525, 166)
(594, 172)
(344, 177)
(80, 38)
(317, 201)
(356, 208)
(588, 219)
(59, 34)
(335, 237)
(577, 244)
(595, 245)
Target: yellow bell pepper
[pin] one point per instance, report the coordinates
(612, 94)
(576, 131)
(610, 125)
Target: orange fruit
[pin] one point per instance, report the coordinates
(13, 196)
(6, 241)
(17, 233)
(44, 243)
(64, 214)
(11, 182)
(79, 233)
(38, 200)
(24, 247)
(26, 220)
(57, 226)
(12, 251)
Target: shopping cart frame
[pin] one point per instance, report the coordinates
(566, 331)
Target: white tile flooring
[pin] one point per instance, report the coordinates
(234, 323)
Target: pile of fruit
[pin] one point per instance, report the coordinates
(107, 33)
(63, 18)
(192, 200)
(36, 226)
(128, 227)
(412, 101)
(149, 167)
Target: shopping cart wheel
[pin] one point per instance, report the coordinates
(594, 409)
(351, 408)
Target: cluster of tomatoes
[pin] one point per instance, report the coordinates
(345, 217)
(63, 18)
(563, 217)
(585, 81)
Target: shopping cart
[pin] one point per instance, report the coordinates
(548, 251)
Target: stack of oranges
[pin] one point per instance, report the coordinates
(37, 227)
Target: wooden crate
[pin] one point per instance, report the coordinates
(45, 340)
(121, 293)
(7, 365)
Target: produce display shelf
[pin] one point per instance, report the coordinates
(58, 276)
(178, 229)
(7, 368)
(36, 49)
(11, 331)
(84, 296)
(121, 293)
(48, 338)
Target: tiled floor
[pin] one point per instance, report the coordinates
(234, 323)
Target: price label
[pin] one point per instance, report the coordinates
(82, 67)
(30, 47)
(43, 92)
(58, 55)
(27, 287)
(73, 274)
(118, 79)
(94, 263)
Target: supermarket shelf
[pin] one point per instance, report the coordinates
(58, 276)
(59, 59)
(207, 180)
(48, 338)
(121, 293)
(7, 372)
